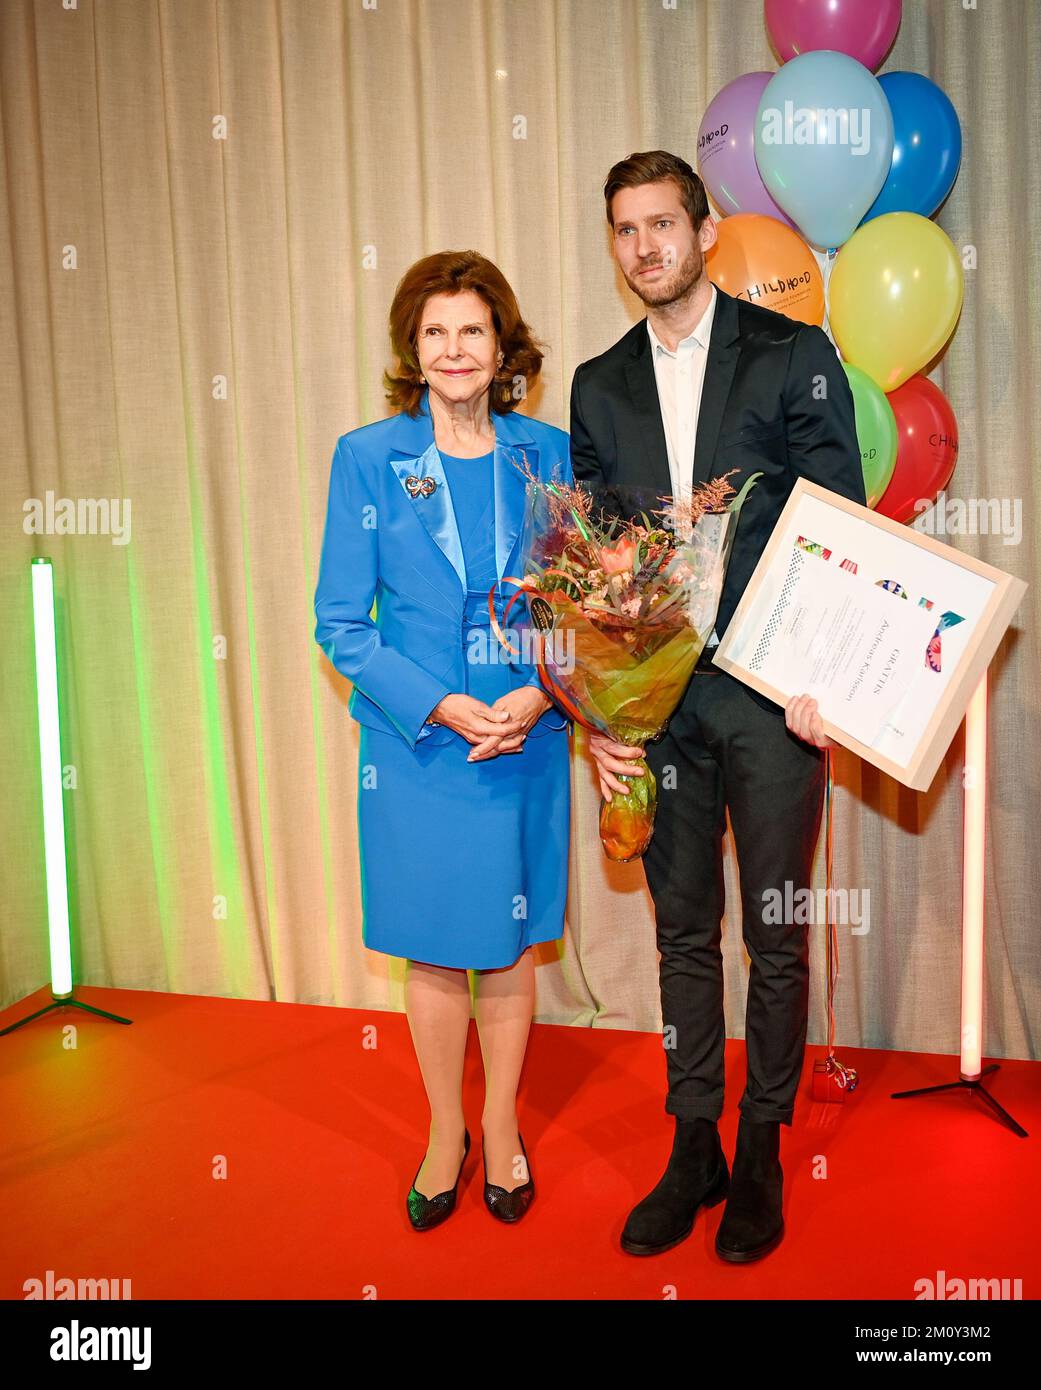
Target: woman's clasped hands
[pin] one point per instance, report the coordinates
(492, 729)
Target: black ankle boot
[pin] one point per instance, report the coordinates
(752, 1224)
(696, 1176)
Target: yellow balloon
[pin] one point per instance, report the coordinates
(895, 296)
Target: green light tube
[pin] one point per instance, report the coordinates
(50, 778)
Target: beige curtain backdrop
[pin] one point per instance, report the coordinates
(207, 205)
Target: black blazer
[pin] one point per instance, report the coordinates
(775, 400)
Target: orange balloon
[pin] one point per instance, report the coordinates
(759, 259)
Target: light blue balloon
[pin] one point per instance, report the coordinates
(824, 143)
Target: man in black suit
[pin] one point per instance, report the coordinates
(708, 383)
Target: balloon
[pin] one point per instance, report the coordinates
(726, 149)
(926, 146)
(927, 448)
(876, 432)
(760, 260)
(865, 29)
(824, 143)
(895, 296)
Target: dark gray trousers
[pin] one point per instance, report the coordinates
(722, 750)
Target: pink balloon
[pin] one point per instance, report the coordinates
(726, 149)
(865, 29)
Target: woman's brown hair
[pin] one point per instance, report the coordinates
(451, 272)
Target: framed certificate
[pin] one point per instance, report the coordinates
(887, 628)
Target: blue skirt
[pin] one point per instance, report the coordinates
(463, 864)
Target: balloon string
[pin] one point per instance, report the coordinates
(832, 944)
(845, 1077)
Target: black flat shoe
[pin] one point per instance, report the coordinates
(428, 1212)
(508, 1206)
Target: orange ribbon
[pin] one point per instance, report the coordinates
(525, 586)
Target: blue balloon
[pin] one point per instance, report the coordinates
(926, 146)
(824, 143)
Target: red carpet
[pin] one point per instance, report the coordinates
(110, 1149)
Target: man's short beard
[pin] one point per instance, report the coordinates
(687, 276)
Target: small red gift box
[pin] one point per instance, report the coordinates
(827, 1082)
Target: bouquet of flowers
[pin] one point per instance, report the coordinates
(621, 603)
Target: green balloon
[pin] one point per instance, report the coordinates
(876, 432)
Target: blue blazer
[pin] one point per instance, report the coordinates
(383, 544)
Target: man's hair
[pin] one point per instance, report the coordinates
(653, 166)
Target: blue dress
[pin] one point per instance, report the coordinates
(465, 864)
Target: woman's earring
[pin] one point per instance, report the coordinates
(422, 378)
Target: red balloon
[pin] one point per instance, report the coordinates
(926, 451)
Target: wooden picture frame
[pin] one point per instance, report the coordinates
(822, 524)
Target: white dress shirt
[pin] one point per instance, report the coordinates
(680, 376)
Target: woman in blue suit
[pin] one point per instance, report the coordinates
(464, 786)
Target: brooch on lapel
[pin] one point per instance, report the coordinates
(420, 487)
